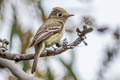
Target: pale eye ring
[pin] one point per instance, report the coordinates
(59, 14)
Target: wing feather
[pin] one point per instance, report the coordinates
(44, 34)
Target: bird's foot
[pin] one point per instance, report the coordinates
(58, 44)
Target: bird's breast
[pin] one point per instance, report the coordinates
(53, 39)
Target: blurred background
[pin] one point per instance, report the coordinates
(99, 60)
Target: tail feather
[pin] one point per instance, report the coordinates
(38, 50)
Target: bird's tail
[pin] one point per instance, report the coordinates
(38, 50)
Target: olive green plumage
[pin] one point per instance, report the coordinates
(49, 33)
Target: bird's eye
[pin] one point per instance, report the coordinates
(59, 14)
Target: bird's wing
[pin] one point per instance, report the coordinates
(44, 34)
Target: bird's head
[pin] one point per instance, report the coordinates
(59, 13)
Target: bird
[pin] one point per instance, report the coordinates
(49, 33)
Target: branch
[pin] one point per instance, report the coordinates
(65, 46)
(16, 70)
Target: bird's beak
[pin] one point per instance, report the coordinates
(70, 15)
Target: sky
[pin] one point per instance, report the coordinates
(88, 58)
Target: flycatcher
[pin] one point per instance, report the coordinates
(49, 33)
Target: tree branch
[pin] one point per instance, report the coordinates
(64, 47)
(16, 70)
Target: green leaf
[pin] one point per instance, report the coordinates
(26, 65)
(50, 74)
(14, 27)
(69, 68)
